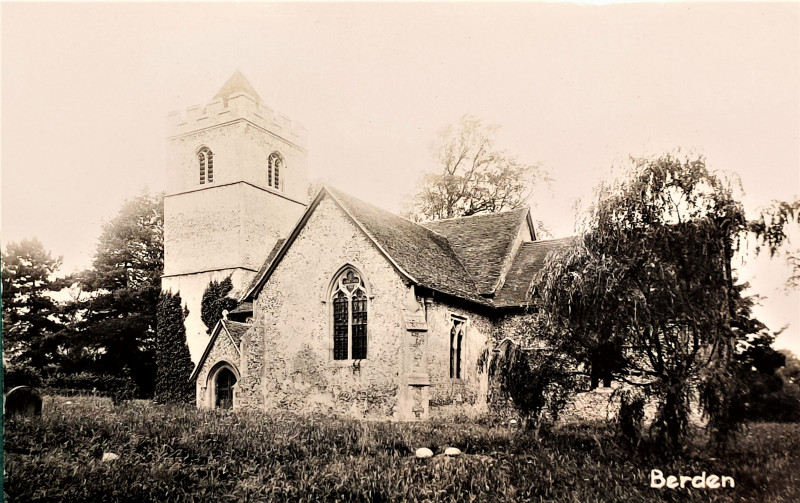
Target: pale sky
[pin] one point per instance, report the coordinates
(86, 89)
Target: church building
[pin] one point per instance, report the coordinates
(344, 308)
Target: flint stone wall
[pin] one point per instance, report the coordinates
(289, 357)
(223, 351)
(450, 396)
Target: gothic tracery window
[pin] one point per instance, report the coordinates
(349, 298)
(275, 165)
(205, 158)
(456, 345)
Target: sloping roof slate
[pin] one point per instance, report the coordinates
(265, 265)
(425, 255)
(482, 242)
(430, 258)
(243, 307)
(237, 83)
(236, 330)
(528, 261)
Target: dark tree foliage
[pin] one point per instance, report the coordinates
(215, 301)
(537, 382)
(790, 372)
(771, 228)
(651, 275)
(474, 176)
(173, 360)
(34, 324)
(767, 392)
(119, 324)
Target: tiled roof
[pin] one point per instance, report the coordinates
(482, 242)
(265, 265)
(236, 330)
(243, 307)
(461, 257)
(528, 261)
(425, 256)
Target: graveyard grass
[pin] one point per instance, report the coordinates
(180, 454)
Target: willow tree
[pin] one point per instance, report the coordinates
(772, 228)
(649, 285)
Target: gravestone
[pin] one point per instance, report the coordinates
(22, 401)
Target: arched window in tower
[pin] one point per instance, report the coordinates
(205, 158)
(275, 165)
(350, 305)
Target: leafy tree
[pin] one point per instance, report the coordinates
(119, 324)
(32, 320)
(536, 381)
(474, 176)
(215, 301)
(771, 228)
(173, 360)
(651, 275)
(766, 394)
(790, 372)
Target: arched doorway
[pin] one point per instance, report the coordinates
(224, 381)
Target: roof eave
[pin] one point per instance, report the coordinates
(250, 295)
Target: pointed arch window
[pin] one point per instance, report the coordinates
(275, 165)
(457, 326)
(205, 158)
(350, 307)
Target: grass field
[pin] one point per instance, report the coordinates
(171, 454)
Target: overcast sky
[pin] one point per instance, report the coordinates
(86, 89)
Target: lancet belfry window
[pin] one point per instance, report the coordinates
(274, 167)
(205, 158)
(349, 298)
(457, 328)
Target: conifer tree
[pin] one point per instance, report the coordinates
(215, 301)
(173, 361)
(33, 323)
(123, 288)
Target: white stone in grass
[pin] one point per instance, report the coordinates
(109, 456)
(424, 452)
(513, 423)
(452, 451)
(67, 403)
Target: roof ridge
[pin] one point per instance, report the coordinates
(439, 239)
(418, 224)
(508, 255)
(366, 231)
(551, 240)
(473, 216)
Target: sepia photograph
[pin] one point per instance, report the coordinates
(400, 251)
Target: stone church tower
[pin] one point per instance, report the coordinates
(236, 183)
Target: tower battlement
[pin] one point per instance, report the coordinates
(228, 200)
(236, 106)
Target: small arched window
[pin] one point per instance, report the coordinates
(275, 165)
(349, 300)
(205, 158)
(457, 325)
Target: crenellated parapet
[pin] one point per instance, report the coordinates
(237, 106)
